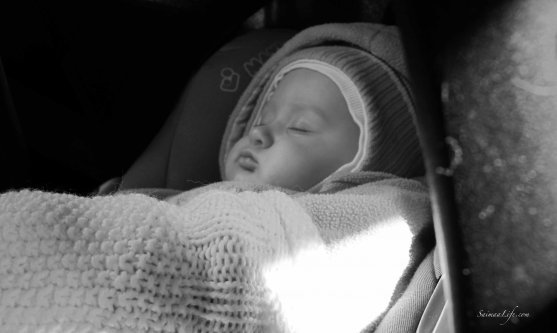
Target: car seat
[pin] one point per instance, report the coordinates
(184, 155)
(447, 308)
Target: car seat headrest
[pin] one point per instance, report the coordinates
(184, 154)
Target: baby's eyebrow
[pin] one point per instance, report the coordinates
(312, 110)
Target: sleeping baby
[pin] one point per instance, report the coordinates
(327, 111)
(302, 134)
(318, 226)
(328, 120)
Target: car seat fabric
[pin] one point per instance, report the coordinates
(185, 152)
(406, 314)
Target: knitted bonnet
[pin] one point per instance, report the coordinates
(366, 62)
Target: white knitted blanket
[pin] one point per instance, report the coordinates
(220, 262)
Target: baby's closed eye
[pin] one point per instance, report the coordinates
(300, 130)
(302, 127)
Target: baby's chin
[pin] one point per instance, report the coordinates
(245, 176)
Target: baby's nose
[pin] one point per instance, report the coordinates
(261, 136)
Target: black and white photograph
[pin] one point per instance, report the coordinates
(278, 166)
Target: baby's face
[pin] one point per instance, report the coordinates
(305, 134)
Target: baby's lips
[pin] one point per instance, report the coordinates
(247, 161)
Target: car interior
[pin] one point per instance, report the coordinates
(103, 96)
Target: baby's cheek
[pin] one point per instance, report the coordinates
(229, 168)
(227, 172)
(297, 172)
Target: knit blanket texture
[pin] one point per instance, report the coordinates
(218, 261)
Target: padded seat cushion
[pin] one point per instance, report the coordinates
(184, 154)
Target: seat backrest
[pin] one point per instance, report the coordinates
(184, 154)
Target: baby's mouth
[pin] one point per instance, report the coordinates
(247, 161)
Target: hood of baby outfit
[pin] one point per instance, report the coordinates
(372, 57)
